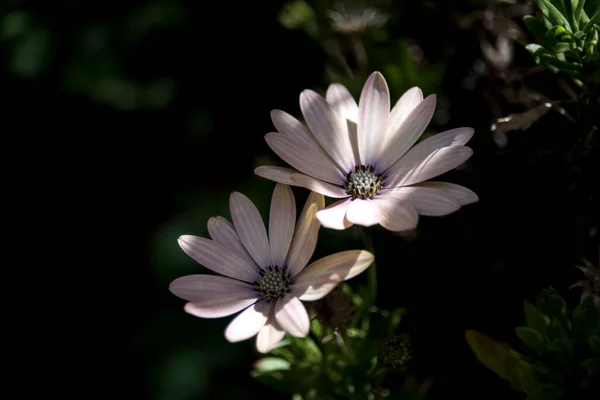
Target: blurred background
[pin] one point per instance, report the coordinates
(142, 117)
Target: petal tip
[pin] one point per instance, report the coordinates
(184, 240)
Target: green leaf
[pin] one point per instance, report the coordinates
(546, 374)
(316, 328)
(557, 16)
(549, 301)
(536, 49)
(531, 338)
(571, 6)
(594, 342)
(269, 364)
(594, 20)
(578, 9)
(492, 354)
(560, 6)
(543, 8)
(585, 316)
(497, 357)
(529, 383)
(558, 336)
(555, 31)
(561, 47)
(310, 348)
(539, 30)
(546, 393)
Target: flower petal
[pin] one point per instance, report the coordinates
(321, 276)
(426, 200)
(223, 232)
(396, 215)
(334, 215)
(201, 287)
(414, 168)
(295, 130)
(213, 296)
(363, 212)
(291, 315)
(452, 137)
(342, 102)
(311, 161)
(248, 323)
(250, 227)
(305, 237)
(295, 178)
(217, 310)
(402, 109)
(269, 336)
(282, 221)
(327, 127)
(407, 134)
(217, 257)
(373, 114)
(460, 194)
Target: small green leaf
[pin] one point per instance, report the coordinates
(531, 338)
(316, 328)
(594, 20)
(549, 301)
(557, 16)
(585, 316)
(558, 336)
(269, 364)
(536, 49)
(310, 348)
(556, 31)
(561, 47)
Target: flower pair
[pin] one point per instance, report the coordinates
(360, 153)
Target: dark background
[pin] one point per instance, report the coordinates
(138, 118)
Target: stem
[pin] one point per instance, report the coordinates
(372, 274)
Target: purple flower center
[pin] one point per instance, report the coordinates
(274, 283)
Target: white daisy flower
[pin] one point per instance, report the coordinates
(364, 155)
(265, 276)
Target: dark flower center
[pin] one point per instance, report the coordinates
(274, 283)
(363, 182)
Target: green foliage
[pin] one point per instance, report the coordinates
(349, 362)
(97, 68)
(358, 40)
(567, 39)
(561, 350)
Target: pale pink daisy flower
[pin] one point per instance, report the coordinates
(265, 276)
(364, 155)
